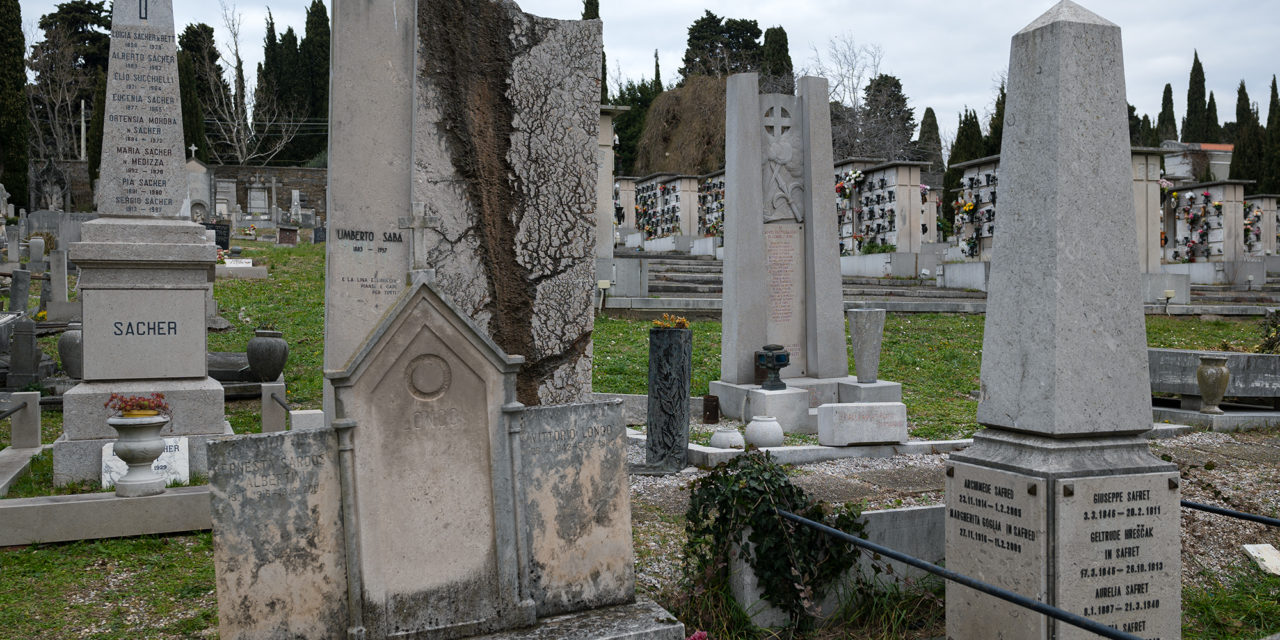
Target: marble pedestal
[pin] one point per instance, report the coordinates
(878, 391)
(1090, 525)
(743, 401)
(143, 284)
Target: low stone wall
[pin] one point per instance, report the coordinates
(1253, 375)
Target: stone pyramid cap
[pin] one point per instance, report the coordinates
(1067, 11)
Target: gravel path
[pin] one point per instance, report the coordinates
(1237, 471)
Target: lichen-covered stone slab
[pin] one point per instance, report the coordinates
(504, 177)
(278, 549)
(578, 506)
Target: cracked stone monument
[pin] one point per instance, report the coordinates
(518, 512)
(142, 269)
(495, 191)
(777, 157)
(1059, 498)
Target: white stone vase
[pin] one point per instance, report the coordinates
(138, 446)
(764, 431)
(727, 438)
(1212, 377)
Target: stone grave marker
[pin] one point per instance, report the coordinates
(427, 386)
(1059, 498)
(19, 291)
(24, 355)
(222, 234)
(36, 263)
(287, 236)
(777, 161)
(143, 269)
(279, 548)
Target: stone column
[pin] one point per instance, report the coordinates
(1059, 499)
(58, 274)
(667, 427)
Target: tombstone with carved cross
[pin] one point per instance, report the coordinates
(782, 262)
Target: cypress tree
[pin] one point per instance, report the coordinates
(775, 60)
(929, 148)
(1213, 130)
(995, 126)
(313, 137)
(1270, 181)
(1247, 158)
(1166, 122)
(968, 145)
(657, 73)
(590, 9)
(1195, 124)
(1147, 134)
(192, 110)
(13, 104)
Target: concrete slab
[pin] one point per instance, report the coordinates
(642, 620)
(1232, 420)
(102, 515)
(14, 463)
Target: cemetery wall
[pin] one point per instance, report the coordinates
(311, 182)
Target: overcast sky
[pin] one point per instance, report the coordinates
(948, 54)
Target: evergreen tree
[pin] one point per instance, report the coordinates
(1147, 134)
(87, 24)
(1167, 122)
(968, 145)
(628, 125)
(1212, 128)
(995, 127)
(719, 47)
(929, 148)
(313, 137)
(590, 9)
(1195, 124)
(775, 61)
(96, 126)
(1270, 181)
(1247, 157)
(886, 121)
(14, 144)
(657, 73)
(192, 110)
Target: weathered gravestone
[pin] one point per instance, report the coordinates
(516, 512)
(143, 271)
(1059, 499)
(500, 205)
(777, 161)
(19, 291)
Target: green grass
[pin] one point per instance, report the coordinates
(1244, 605)
(145, 587)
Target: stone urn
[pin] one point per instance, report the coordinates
(267, 352)
(727, 438)
(866, 331)
(71, 351)
(139, 445)
(764, 431)
(1212, 377)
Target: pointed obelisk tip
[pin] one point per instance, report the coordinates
(1067, 11)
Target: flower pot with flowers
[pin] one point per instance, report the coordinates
(138, 420)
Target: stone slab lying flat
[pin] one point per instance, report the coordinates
(1266, 556)
(709, 457)
(643, 620)
(102, 515)
(14, 463)
(846, 424)
(1229, 421)
(240, 273)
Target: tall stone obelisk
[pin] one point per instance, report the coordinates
(1060, 499)
(144, 271)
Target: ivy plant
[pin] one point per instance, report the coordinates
(734, 507)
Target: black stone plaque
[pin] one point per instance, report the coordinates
(222, 234)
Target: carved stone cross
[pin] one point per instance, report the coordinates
(418, 222)
(777, 121)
